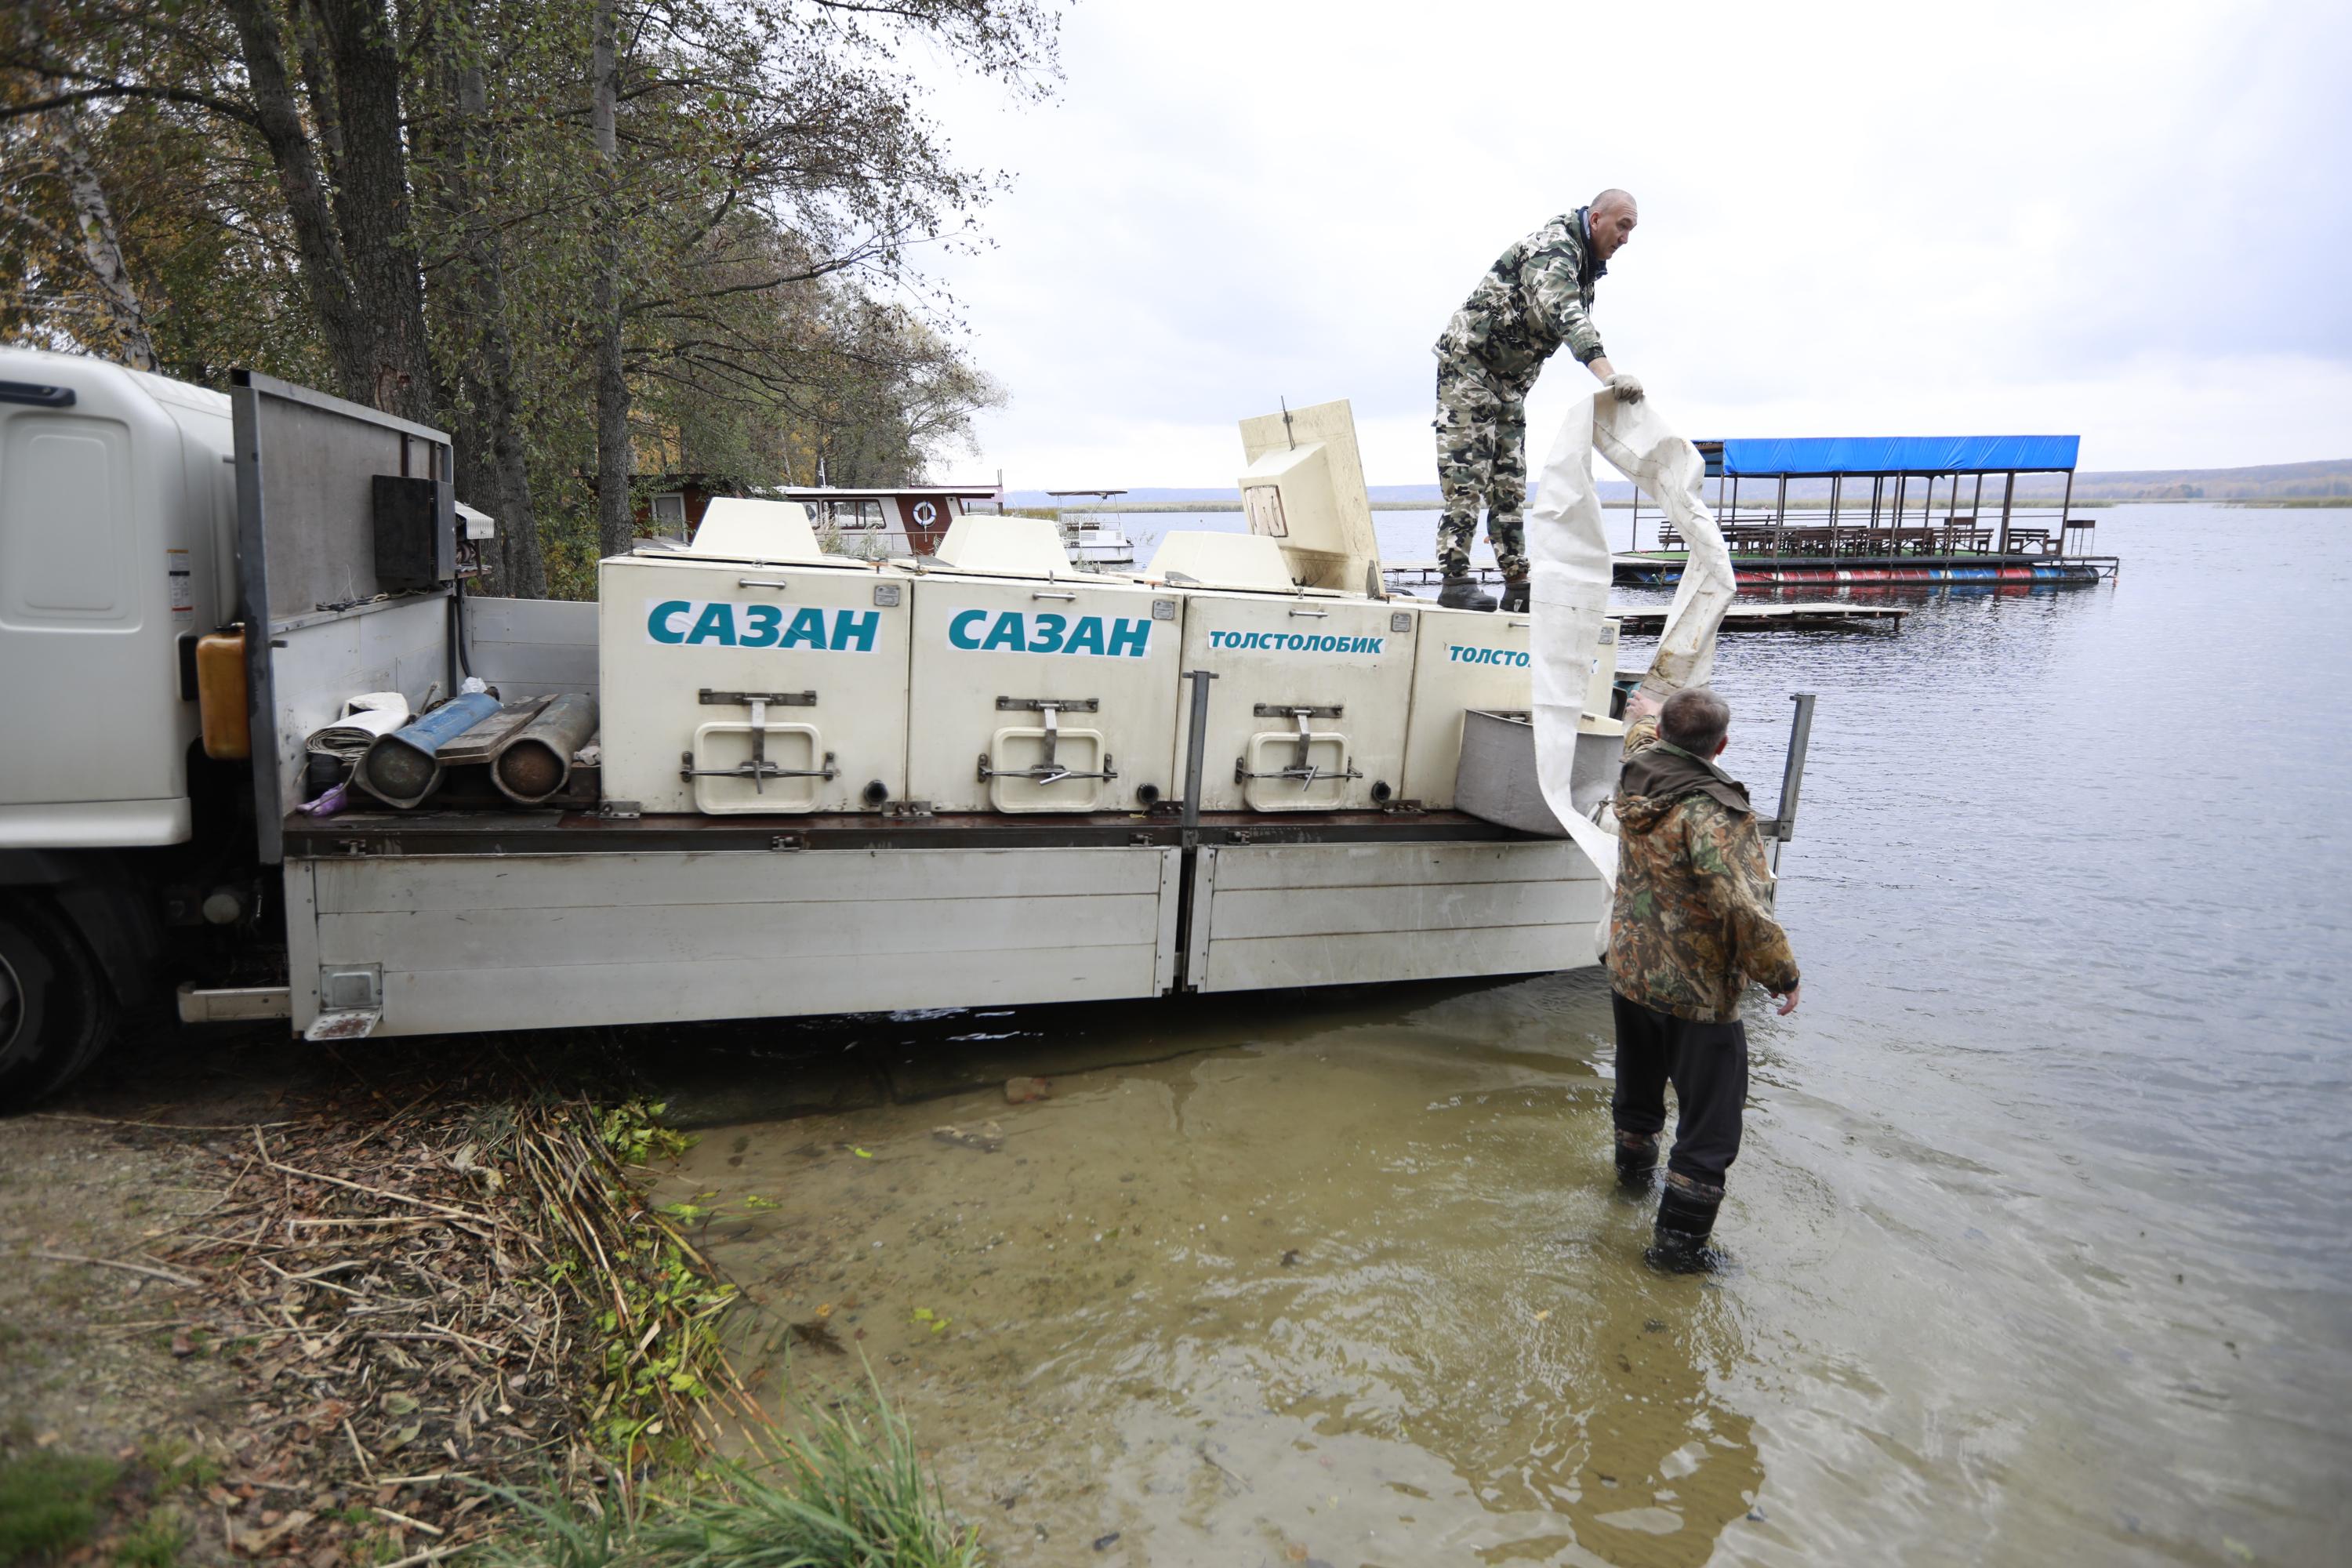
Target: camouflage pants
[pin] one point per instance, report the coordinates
(1481, 460)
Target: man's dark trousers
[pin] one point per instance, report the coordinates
(1707, 1063)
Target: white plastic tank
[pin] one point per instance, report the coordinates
(1307, 711)
(734, 685)
(1470, 658)
(1038, 693)
(1464, 659)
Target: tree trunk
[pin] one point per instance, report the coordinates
(324, 277)
(373, 207)
(614, 525)
(522, 566)
(94, 223)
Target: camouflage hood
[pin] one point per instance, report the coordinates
(1662, 773)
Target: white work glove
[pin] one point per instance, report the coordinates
(1627, 389)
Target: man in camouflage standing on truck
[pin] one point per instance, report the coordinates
(1537, 296)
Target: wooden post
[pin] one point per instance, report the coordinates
(2008, 494)
(1781, 516)
(2066, 506)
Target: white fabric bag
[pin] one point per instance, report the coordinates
(1568, 584)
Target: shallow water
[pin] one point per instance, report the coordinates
(2037, 1238)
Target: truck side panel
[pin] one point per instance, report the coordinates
(323, 660)
(1333, 914)
(540, 648)
(537, 941)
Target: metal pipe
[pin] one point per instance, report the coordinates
(401, 768)
(1197, 744)
(2066, 506)
(1793, 772)
(536, 761)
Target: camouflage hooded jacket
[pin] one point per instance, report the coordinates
(1537, 296)
(1693, 921)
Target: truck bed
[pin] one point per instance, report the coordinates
(449, 922)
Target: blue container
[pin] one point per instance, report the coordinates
(404, 766)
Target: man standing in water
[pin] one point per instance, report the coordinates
(1537, 296)
(1691, 924)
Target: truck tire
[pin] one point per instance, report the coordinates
(55, 1010)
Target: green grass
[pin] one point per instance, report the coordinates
(850, 1491)
(154, 1543)
(49, 1502)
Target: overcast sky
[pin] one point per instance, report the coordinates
(2129, 221)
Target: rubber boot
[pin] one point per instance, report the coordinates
(1637, 1161)
(1514, 597)
(1461, 594)
(1685, 1220)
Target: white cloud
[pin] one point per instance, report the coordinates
(2128, 221)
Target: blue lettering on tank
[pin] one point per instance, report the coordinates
(959, 629)
(855, 628)
(1009, 632)
(807, 630)
(1129, 639)
(1050, 627)
(657, 624)
(765, 624)
(716, 624)
(1087, 637)
(1460, 653)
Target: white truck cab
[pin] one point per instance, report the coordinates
(118, 513)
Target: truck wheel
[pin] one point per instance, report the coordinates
(54, 1010)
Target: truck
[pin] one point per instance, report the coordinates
(818, 785)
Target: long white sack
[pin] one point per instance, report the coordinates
(1568, 583)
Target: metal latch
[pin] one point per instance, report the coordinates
(759, 770)
(1049, 770)
(1303, 770)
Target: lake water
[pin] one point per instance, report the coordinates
(2038, 1238)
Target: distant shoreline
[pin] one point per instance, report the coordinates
(1845, 508)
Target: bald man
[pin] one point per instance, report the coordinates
(1536, 296)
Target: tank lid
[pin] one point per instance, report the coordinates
(737, 527)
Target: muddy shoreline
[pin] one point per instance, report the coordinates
(266, 1301)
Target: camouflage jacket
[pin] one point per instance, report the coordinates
(1537, 296)
(1693, 921)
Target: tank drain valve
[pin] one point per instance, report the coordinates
(1047, 771)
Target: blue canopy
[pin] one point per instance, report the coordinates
(1805, 455)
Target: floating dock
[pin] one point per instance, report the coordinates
(1663, 568)
(1821, 616)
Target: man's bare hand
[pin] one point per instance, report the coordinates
(1641, 706)
(1787, 999)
